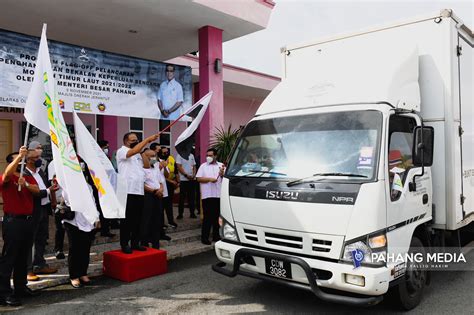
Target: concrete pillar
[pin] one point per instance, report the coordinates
(210, 49)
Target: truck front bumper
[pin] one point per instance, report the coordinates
(376, 280)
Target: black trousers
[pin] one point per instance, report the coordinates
(168, 203)
(130, 226)
(104, 223)
(197, 194)
(152, 221)
(40, 236)
(59, 234)
(17, 242)
(211, 210)
(79, 250)
(186, 190)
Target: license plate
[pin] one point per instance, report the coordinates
(278, 268)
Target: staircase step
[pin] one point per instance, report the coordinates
(177, 238)
(95, 265)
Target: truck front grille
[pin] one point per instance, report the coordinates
(284, 240)
(321, 246)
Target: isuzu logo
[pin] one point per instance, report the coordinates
(282, 195)
(342, 199)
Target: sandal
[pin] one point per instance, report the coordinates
(77, 285)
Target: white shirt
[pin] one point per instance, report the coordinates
(170, 93)
(152, 177)
(132, 169)
(41, 185)
(163, 180)
(80, 220)
(210, 190)
(187, 166)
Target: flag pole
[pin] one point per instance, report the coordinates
(25, 142)
(174, 122)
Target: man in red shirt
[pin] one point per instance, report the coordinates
(17, 229)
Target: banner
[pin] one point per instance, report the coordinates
(93, 81)
(43, 109)
(111, 188)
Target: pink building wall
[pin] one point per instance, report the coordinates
(238, 112)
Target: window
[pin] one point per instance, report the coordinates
(165, 137)
(400, 152)
(136, 126)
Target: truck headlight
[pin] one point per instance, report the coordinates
(374, 248)
(227, 231)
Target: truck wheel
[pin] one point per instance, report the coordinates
(410, 291)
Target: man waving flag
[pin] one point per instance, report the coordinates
(42, 111)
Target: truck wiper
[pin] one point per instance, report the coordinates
(311, 178)
(264, 172)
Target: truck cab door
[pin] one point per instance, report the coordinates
(405, 206)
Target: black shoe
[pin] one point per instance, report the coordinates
(179, 217)
(193, 216)
(216, 239)
(165, 238)
(206, 242)
(60, 255)
(26, 292)
(139, 248)
(126, 249)
(90, 282)
(10, 301)
(108, 234)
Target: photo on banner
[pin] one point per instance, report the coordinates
(92, 81)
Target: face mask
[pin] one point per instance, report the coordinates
(209, 159)
(38, 163)
(133, 144)
(106, 151)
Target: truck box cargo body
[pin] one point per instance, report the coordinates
(363, 152)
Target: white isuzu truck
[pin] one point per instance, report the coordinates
(362, 154)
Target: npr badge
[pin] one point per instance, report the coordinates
(357, 257)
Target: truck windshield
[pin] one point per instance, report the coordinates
(299, 146)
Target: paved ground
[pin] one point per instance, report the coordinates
(192, 287)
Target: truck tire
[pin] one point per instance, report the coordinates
(410, 291)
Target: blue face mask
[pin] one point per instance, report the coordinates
(38, 163)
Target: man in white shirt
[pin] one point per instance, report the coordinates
(170, 96)
(42, 209)
(131, 163)
(152, 220)
(209, 176)
(187, 172)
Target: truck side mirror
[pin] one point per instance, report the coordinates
(423, 143)
(422, 153)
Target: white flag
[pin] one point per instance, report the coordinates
(185, 140)
(36, 112)
(112, 190)
(42, 110)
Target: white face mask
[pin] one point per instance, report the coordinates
(209, 159)
(106, 151)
